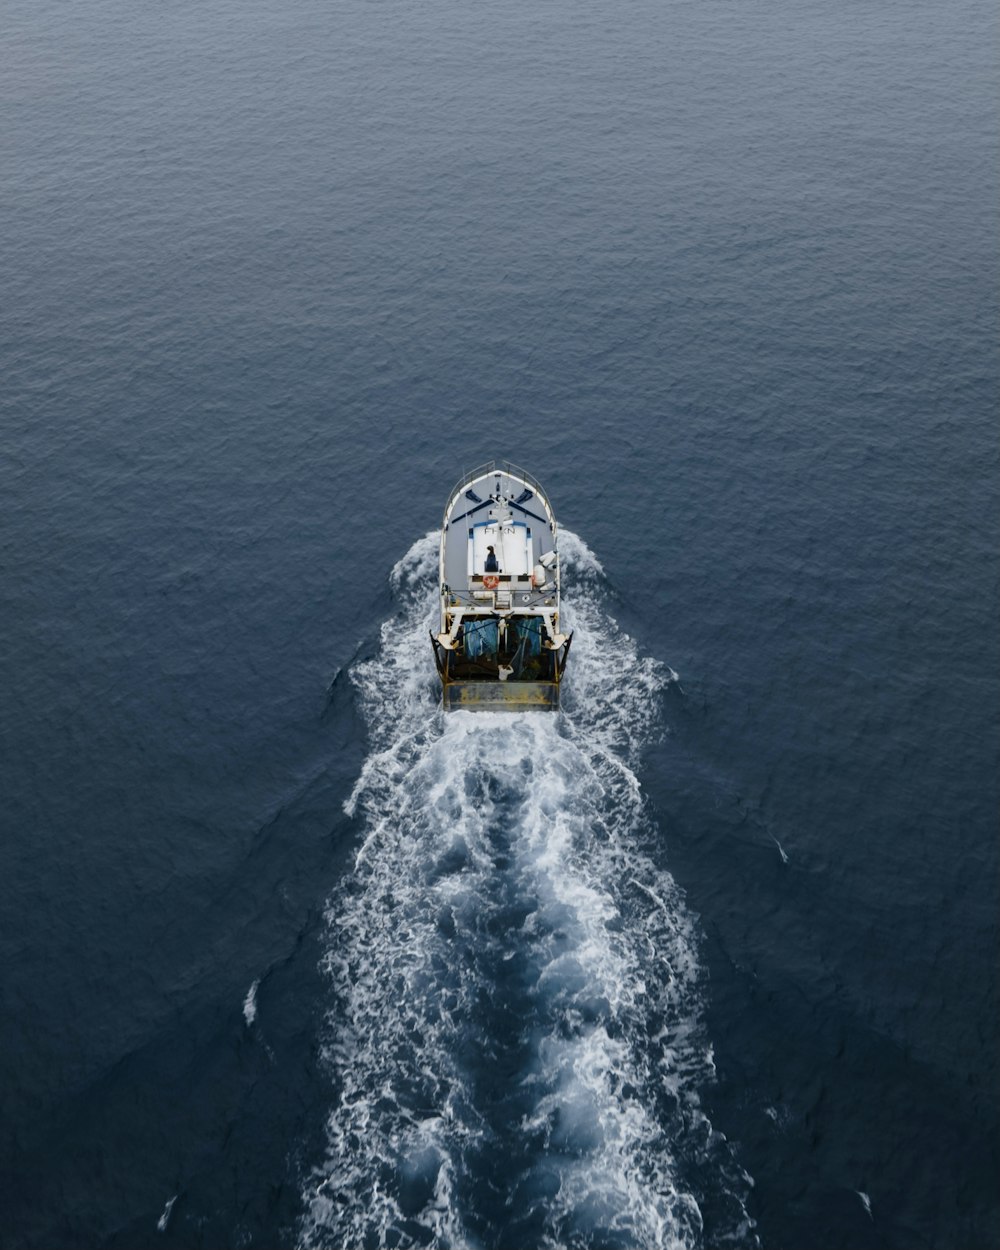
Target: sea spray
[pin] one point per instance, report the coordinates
(515, 1039)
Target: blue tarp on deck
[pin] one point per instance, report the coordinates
(480, 637)
(529, 631)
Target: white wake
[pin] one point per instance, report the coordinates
(515, 1041)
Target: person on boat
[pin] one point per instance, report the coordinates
(491, 565)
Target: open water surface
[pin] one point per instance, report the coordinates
(709, 958)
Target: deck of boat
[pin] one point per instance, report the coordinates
(499, 646)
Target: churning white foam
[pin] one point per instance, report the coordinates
(515, 1040)
(250, 1004)
(164, 1220)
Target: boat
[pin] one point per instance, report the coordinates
(500, 646)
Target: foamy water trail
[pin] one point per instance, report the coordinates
(515, 1040)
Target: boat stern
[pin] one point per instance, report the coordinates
(501, 696)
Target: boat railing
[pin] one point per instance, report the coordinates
(516, 471)
(471, 476)
(503, 466)
(521, 599)
(471, 599)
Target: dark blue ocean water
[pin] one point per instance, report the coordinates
(709, 958)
